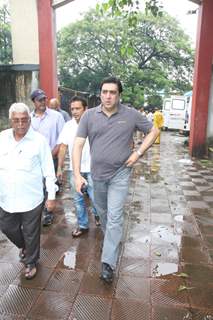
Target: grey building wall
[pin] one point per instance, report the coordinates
(16, 84)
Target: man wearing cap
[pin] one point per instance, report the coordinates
(49, 123)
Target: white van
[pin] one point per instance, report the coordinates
(174, 111)
(166, 111)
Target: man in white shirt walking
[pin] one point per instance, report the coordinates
(25, 161)
(78, 105)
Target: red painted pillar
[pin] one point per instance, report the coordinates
(202, 80)
(47, 48)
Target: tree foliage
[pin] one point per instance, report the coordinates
(130, 9)
(159, 57)
(5, 36)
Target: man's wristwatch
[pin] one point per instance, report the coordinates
(139, 153)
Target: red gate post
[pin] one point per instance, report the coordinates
(47, 48)
(202, 80)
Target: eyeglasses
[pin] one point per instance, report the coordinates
(21, 121)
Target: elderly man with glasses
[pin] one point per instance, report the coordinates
(25, 162)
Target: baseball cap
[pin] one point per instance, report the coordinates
(38, 94)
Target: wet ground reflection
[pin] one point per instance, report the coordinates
(70, 259)
(165, 269)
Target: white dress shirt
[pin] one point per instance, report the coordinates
(67, 136)
(23, 166)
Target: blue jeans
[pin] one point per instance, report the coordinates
(79, 201)
(110, 196)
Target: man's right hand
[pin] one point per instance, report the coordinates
(79, 181)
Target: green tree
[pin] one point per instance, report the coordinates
(5, 36)
(159, 58)
(155, 101)
(130, 9)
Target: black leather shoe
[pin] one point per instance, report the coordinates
(106, 273)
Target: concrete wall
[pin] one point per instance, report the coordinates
(16, 84)
(24, 27)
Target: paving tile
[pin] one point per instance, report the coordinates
(3, 289)
(185, 184)
(170, 312)
(18, 301)
(199, 181)
(49, 257)
(12, 317)
(201, 314)
(209, 241)
(90, 308)
(94, 266)
(166, 292)
(126, 309)
(39, 282)
(211, 255)
(51, 305)
(129, 287)
(191, 193)
(161, 216)
(11, 255)
(138, 249)
(205, 229)
(200, 296)
(198, 204)
(193, 242)
(8, 272)
(93, 285)
(65, 282)
(202, 273)
(136, 267)
(208, 199)
(194, 255)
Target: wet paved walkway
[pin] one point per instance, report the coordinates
(165, 269)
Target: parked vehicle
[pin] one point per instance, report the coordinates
(174, 111)
(166, 111)
(186, 126)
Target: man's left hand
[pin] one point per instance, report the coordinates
(50, 205)
(132, 159)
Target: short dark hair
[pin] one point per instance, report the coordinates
(112, 80)
(81, 99)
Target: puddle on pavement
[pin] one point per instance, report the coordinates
(164, 268)
(186, 161)
(178, 218)
(165, 234)
(70, 259)
(69, 216)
